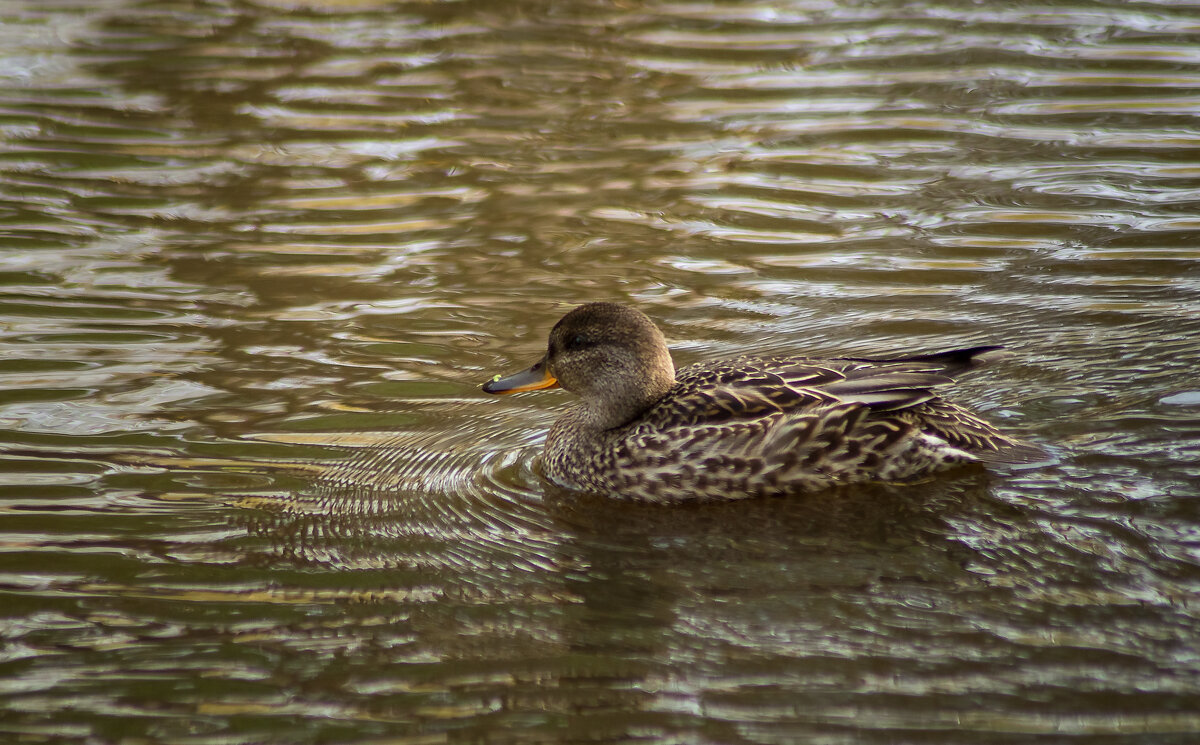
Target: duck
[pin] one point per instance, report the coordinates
(747, 426)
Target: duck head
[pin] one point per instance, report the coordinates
(610, 355)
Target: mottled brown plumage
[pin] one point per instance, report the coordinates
(747, 426)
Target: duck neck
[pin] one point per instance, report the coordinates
(623, 400)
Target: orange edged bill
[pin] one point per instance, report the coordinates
(534, 379)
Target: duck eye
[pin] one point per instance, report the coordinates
(578, 341)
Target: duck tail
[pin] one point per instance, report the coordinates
(960, 359)
(1017, 454)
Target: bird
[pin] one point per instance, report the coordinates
(748, 426)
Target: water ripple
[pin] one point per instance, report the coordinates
(257, 258)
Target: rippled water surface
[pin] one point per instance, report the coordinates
(255, 259)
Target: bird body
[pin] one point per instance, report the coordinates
(748, 426)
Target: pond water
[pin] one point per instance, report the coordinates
(256, 258)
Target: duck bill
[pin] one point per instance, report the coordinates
(535, 378)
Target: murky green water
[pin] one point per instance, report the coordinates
(256, 257)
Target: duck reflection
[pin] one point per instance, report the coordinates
(579, 614)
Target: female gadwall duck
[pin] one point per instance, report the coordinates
(747, 426)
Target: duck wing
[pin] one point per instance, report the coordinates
(732, 391)
(749, 387)
(793, 410)
(907, 389)
(780, 413)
